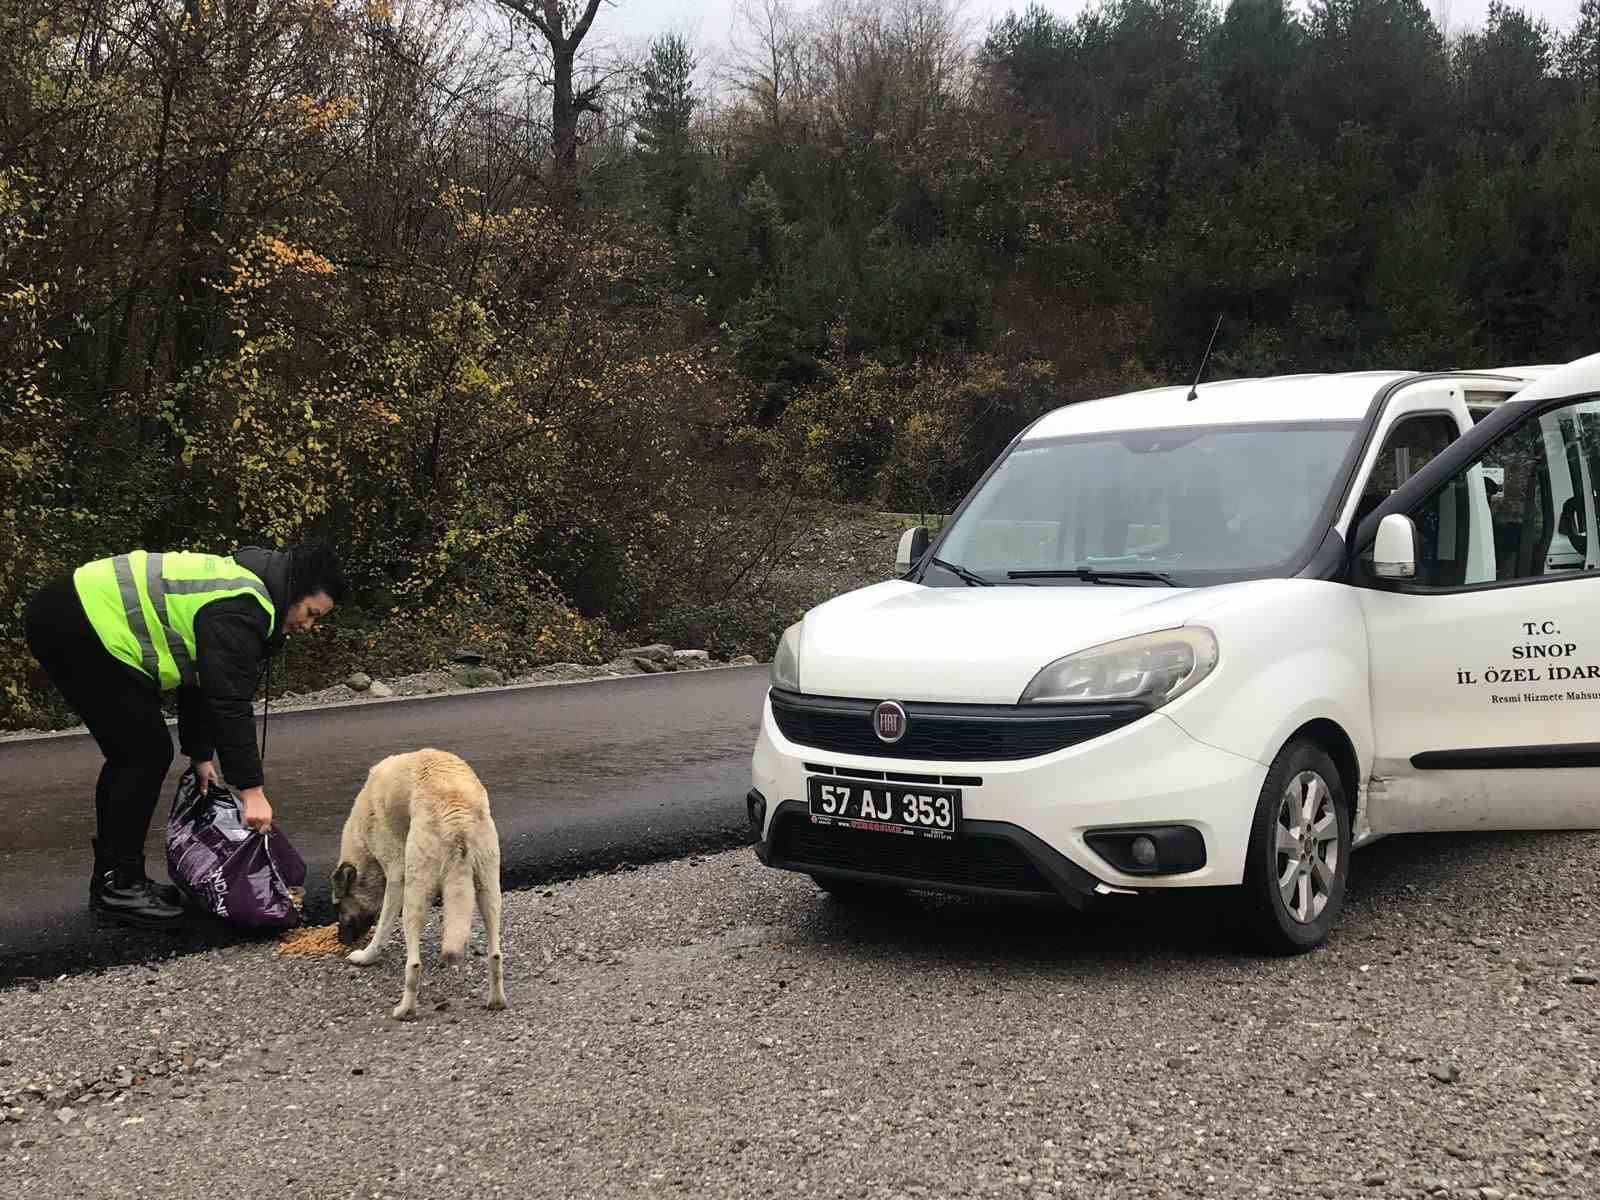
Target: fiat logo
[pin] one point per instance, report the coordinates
(889, 722)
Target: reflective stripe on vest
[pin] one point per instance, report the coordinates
(155, 586)
(154, 630)
(133, 609)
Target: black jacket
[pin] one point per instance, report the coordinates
(232, 646)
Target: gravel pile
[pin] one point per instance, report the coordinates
(709, 1028)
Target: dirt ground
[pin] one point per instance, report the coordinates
(711, 1028)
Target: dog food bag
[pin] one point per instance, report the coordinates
(246, 878)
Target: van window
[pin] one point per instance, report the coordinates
(1524, 510)
(1411, 444)
(1239, 499)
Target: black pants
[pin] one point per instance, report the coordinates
(121, 708)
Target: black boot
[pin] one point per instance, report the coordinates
(102, 864)
(123, 896)
(167, 893)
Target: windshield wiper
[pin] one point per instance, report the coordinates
(1090, 575)
(970, 577)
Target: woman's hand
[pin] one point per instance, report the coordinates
(205, 773)
(257, 812)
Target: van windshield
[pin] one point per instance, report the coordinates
(1217, 500)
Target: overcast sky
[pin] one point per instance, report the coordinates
(708, 21)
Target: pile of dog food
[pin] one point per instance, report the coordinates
(308, 941)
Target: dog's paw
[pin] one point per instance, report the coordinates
(365, 957)
(405, 1010)
(496, 1004)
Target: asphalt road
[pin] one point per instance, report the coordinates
(580, 777)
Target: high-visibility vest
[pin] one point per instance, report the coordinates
(143, 606)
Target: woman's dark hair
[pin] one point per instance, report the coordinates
(312, 569)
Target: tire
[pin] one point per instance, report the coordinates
(1296, 916)
(853, 891)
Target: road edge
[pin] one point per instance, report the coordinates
(361, 699)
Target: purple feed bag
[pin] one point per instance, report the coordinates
(226, 868)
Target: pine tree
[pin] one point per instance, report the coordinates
(665, 136)
(1580, 51)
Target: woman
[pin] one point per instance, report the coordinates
(120, 631)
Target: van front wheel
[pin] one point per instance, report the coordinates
(1299, 857)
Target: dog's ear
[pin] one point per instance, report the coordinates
(344, 878)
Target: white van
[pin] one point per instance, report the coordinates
(1212, 637)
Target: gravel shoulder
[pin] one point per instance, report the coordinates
(707, 1027)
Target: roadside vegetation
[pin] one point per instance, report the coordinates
(568, 343)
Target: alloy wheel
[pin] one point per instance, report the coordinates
(1307, 846)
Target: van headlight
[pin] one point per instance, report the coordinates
(786, 662)
(1151, 669)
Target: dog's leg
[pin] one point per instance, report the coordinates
(393, 889)
(489, 908)
(413, 919)
(486, 880)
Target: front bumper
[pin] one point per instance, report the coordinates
(991, 858)
(1024, 825)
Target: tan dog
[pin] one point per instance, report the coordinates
(420, 827)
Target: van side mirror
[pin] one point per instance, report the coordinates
(1394, 555)
(913, 545)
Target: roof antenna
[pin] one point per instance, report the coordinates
(1195, 386)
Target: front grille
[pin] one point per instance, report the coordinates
(947, 732)
(896, 776)
(967, 861)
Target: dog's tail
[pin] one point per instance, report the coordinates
(459, 895)
(457, 889)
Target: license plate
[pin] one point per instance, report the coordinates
(905, 808)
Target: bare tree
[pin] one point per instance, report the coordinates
(1442, 15)
(563, 24)
(883, 71)
(770, 46)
